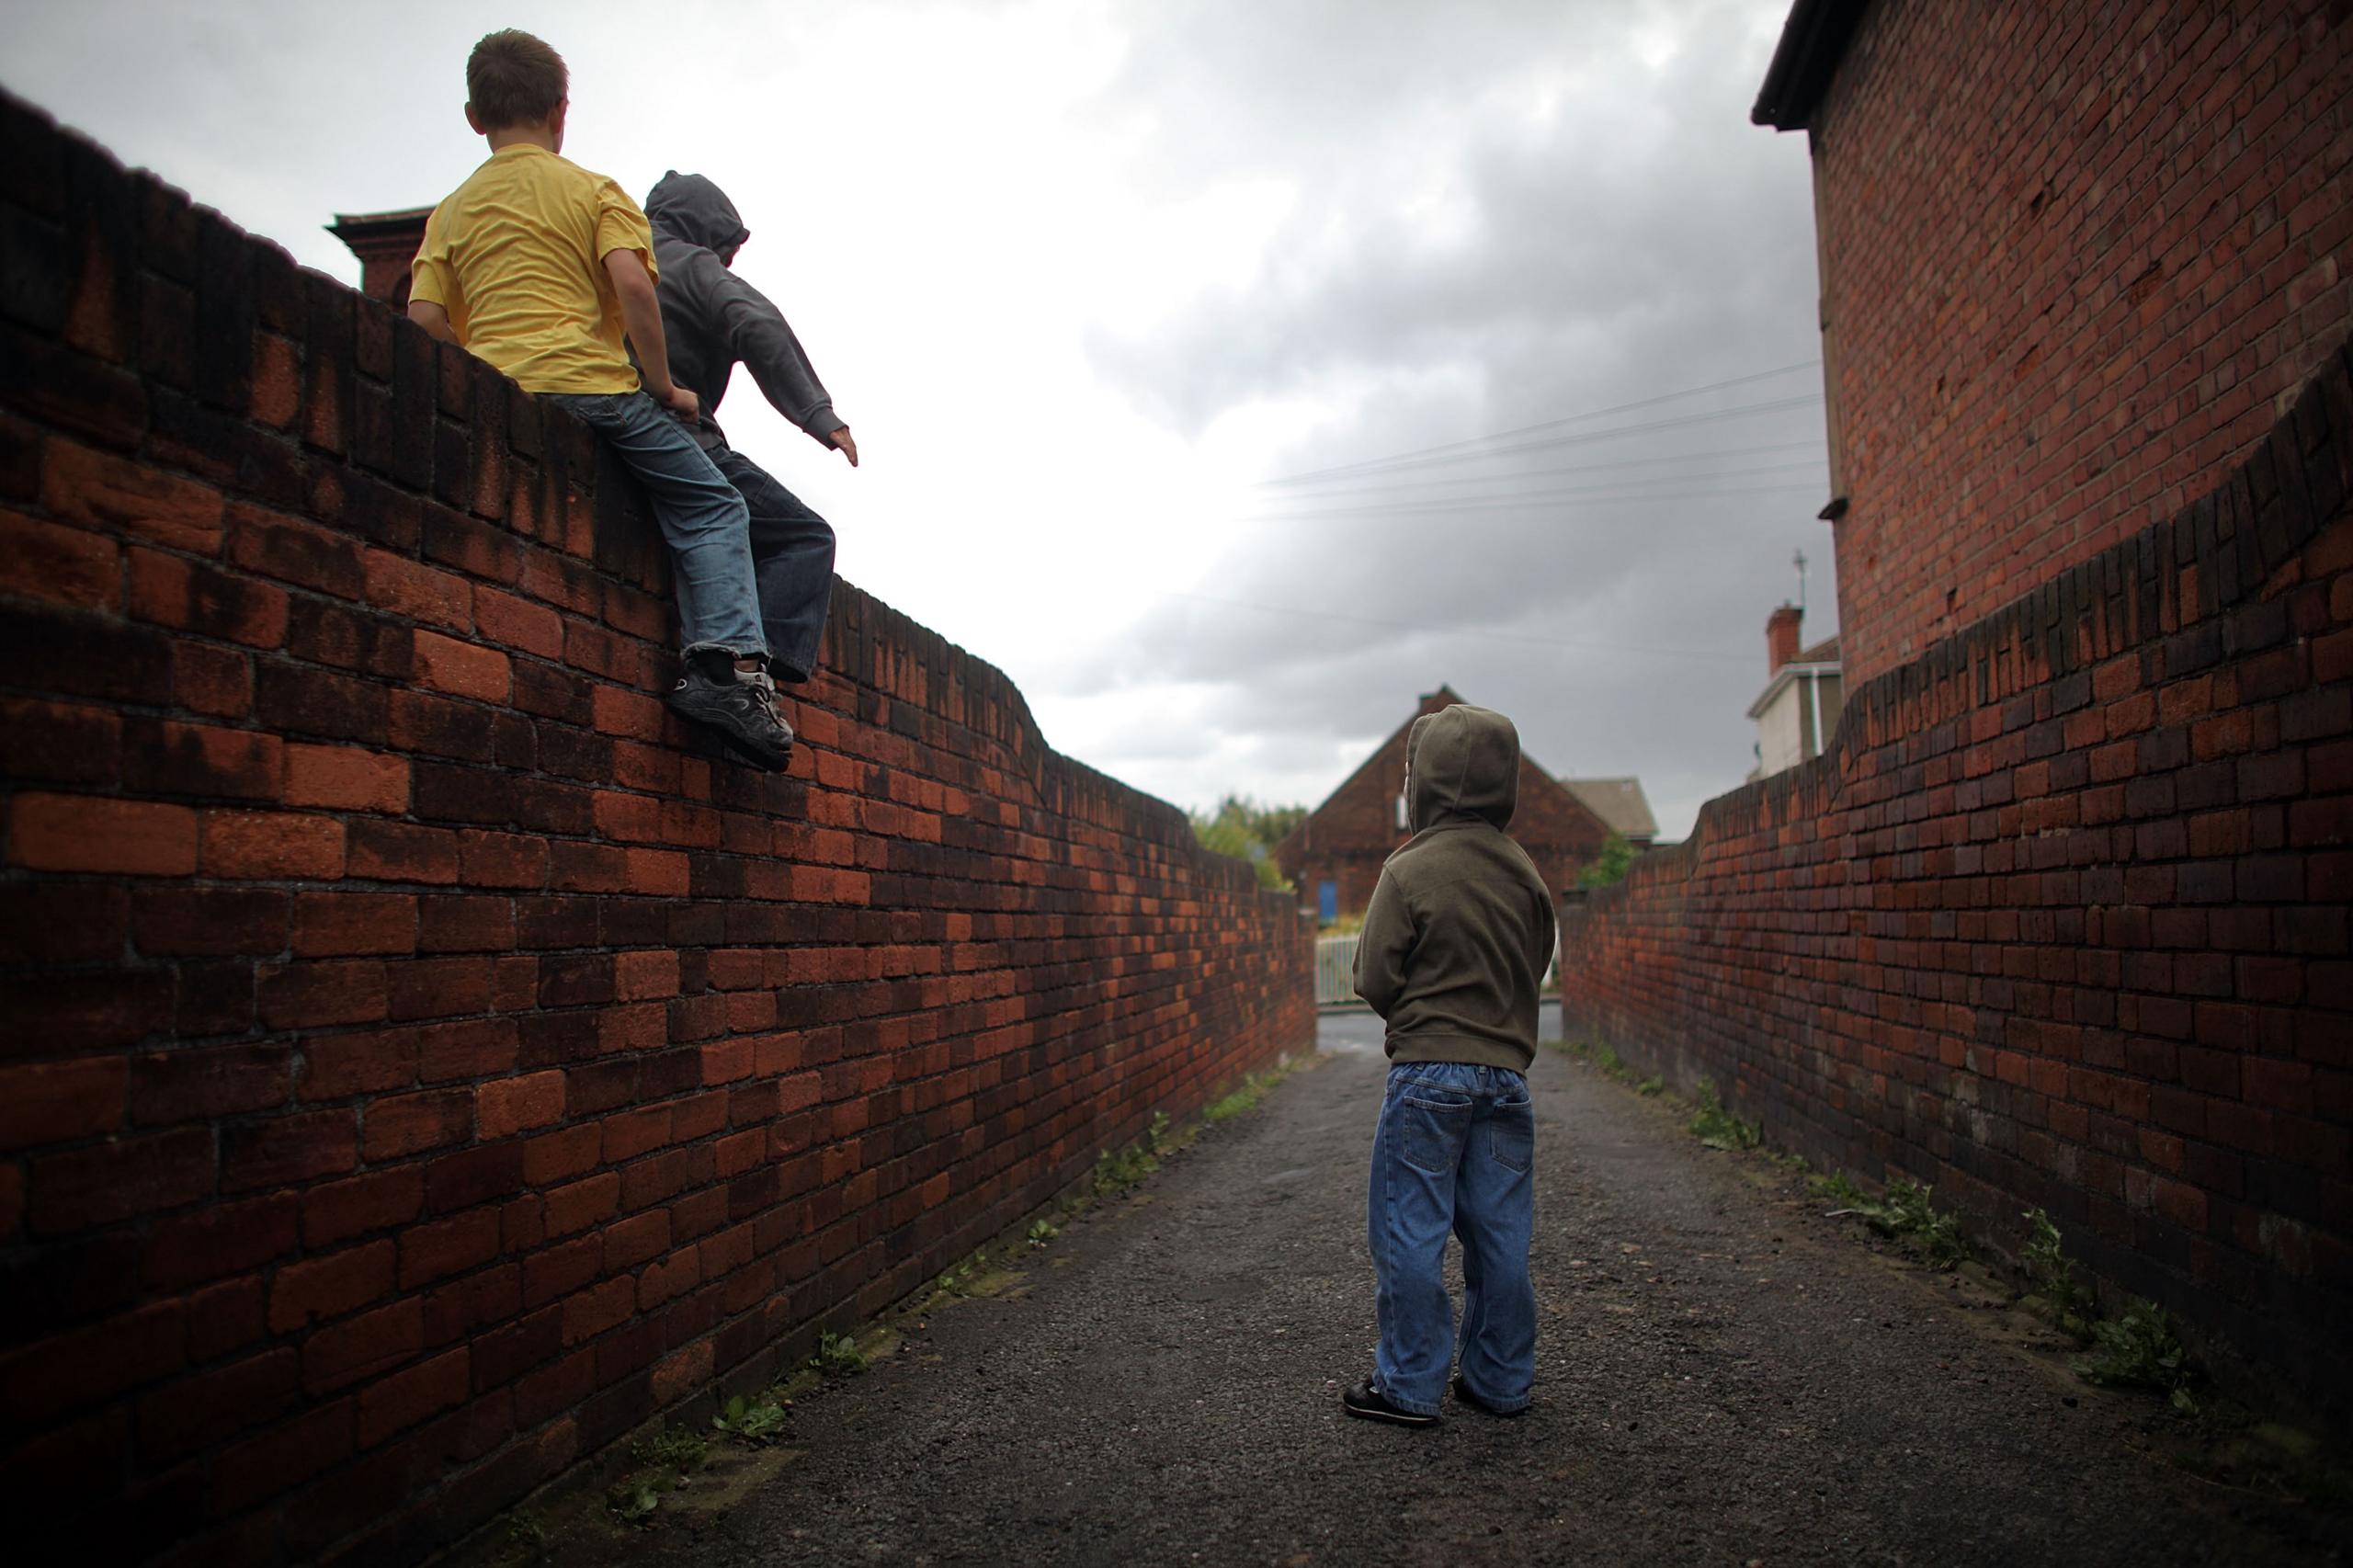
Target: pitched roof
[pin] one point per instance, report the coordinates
(1822, 653)
(1431, 701)
(1618, 802)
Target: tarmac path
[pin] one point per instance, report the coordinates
(1723, 1378)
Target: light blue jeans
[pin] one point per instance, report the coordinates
(1454, 1152)
(703, 516)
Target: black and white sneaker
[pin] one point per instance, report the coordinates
(1365, 1401)
(739, 706)
(1463, 1391)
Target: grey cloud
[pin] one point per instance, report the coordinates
(1645, 238)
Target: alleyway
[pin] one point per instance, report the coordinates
(1724, 1378)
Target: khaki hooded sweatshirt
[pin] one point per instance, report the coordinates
(1460, 931)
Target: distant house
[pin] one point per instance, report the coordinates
(1621, 804)
(1334, 857)
(1797, 715)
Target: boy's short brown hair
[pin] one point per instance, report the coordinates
(513, 79)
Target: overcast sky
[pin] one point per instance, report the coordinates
(1096, 284)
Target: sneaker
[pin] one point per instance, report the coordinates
(739, 706)
(1463, 1391)
(1365, 1400)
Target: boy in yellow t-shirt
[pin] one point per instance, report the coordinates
(545, 269)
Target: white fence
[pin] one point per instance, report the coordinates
(1335, 969)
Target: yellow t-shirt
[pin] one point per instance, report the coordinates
(516, 255)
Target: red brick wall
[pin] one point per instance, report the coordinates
(2074, 257)
(2062, 921)
(1352, 832)
(423, 1062)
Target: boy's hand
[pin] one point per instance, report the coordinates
(848, 447)
(680, 400)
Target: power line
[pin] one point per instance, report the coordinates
(1583, 437)
(1394, 485)
(1498, 504)
(1627, 490)
(1544, 424)
(1458, 630)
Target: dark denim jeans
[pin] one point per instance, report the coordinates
(700, 513)
(1455, 1151)
(792, 560)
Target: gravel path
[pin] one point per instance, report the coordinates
(1722, 1378)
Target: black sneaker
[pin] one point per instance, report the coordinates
(1365, 1400)
(1463, 1391)
(738, 705)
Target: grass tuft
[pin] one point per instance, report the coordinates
(672, 1448)
(1242, 1099)
(1115, 1173)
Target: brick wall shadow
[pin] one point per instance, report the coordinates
(425, 1061)
(2062, 922)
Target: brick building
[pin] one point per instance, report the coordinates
(1334, 858)
(2073, 259)
(2061, 921)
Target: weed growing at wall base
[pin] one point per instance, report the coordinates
(838, 1356)
(1717, 1127)
(1245, 1099)
(749, 1422)
(2070, 1305)
(2141, 1349)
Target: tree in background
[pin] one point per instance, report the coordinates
(1247, 830)
(1610, 865)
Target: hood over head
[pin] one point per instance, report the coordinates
(1461, 765)
(697, 210)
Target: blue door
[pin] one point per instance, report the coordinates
(1327, 902)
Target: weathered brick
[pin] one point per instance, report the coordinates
(83, 833)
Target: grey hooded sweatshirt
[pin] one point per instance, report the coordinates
(713, 319)
(1460, 930)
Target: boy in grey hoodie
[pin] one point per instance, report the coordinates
(714, 319)
(1455, 944)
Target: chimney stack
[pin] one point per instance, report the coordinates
(1782, 636)
(385, 244)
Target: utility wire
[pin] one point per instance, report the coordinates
(1441, 509)
(1391, 486)
(1631, 489)
(1389, 465)
(1371, 464)
(1459, 631)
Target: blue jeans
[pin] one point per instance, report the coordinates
(1454, 1151)
(792, 560)
(701, 514)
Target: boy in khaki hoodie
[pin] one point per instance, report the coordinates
(1455, 944)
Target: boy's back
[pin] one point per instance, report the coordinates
(1460, 930)
(515, 255)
